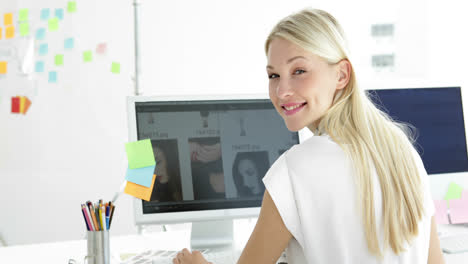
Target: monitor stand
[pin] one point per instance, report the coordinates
(217, 234)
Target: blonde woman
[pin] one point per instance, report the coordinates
(355, 192)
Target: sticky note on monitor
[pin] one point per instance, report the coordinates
(40, 33)
(15, 104)
(43, 49)
(101, 48)
(139, 191)
(140, 154)
(59, 13)
(53, 24)
(24, 29)
(23, 15)
(39, 66)
(52, 77)
(454, 191)
(71, 6)
(59, 60)
(140, 176)
(441, 215)
(8, 19)
(25, 104)
(69, 43)
(115, 67)
(458, 211)
(9, 32)
(3, 67)
(87, 56)
(45, 13)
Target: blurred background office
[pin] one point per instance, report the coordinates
(69, 147)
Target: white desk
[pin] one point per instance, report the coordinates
(61, 252)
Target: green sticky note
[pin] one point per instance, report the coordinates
(454, 192)
(140, 154)
(24, 29)
(59, 59)
(87, 56)
(71, 7)
(115, 67)
(53, 24)
(23, 14)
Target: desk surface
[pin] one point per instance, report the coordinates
(61, 252)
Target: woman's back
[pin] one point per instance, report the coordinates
(313, 187)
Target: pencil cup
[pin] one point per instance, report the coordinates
(98, 247)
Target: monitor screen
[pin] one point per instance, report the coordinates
(437, 115)
(210, 154)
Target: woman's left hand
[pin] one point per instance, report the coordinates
(187, 257)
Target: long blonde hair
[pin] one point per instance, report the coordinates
(366, 134)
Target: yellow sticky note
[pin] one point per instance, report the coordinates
(10, 32)
(22, 103)
(3, 67)
(140, 191)
(8, 19)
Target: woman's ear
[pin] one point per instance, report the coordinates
(344, 74)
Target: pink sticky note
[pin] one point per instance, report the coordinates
(441, 211)
(458, 211)
(101, 48)
(464, 195)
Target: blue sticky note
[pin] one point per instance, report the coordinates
(43, 49)
(142, 176)
(69, 43)
(39, 66)
(45, 13)
(52, 77)
(40, 33)
(59, 13)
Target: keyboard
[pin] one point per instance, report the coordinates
(166, 256)
(454, 244)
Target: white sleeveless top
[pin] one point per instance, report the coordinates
(312, 185)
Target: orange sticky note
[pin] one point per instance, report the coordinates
(3, 67)
(10, 32)
(140, 191)
(8, 19)
(27, 104)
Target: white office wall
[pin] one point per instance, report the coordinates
(69, 148)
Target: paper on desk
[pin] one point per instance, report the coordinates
(454, 192)
(141, 176)
(441, 216)
(139, 191)
(458, 211)
(140, 154)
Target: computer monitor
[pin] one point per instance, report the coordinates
(211, 154)
(437, 115)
